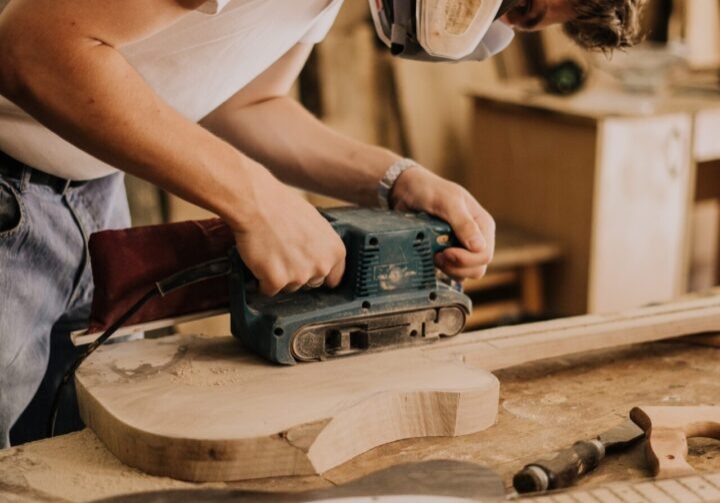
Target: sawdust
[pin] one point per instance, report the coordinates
(195, 361)
(211, 361)
(78, 468)
(189, 373)
(74, 467)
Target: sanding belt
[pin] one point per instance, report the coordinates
(126, 264)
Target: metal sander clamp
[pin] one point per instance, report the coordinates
(390, 295)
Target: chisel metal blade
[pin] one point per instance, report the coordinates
(620, 436)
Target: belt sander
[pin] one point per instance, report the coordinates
(390, 295)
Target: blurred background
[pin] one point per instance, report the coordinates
(602, 171)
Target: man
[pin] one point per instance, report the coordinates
(191, 95)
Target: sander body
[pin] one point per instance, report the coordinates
(390, 296)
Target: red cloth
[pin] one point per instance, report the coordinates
(126, 264)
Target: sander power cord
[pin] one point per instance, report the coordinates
(207, 270)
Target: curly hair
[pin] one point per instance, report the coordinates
(605, 24)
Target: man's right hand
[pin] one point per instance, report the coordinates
(286, 243)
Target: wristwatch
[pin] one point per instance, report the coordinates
(390, 177)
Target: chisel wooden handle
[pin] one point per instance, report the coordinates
(562, 470)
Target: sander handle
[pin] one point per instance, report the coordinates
(441, 238)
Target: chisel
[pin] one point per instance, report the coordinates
(568, 465)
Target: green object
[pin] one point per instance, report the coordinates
(389, 297)
(564, 78)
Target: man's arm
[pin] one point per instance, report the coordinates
(300, 150)
(59, 60)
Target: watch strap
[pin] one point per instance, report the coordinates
(390, 177)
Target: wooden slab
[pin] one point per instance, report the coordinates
(201, 409)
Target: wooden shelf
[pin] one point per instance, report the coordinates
(513, 286)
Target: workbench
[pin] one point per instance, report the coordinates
(544, 406)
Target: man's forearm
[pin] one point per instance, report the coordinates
(302, 151)
(84, 90)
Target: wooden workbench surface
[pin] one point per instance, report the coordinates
(544, 406)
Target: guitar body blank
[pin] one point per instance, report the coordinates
(202, 409)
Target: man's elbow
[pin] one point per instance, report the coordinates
(27, 51)
(16, 56)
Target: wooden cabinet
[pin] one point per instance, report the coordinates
(613, 191)
(640, 205)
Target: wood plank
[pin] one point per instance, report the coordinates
(504, 347)
(202, 409)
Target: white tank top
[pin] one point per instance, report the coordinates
(194, 65)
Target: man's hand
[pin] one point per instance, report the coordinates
(286, 243)
(418, 189)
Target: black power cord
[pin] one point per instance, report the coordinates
(201, 272)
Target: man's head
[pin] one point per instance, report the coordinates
(593, 24)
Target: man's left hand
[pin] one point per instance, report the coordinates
(418, 189)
